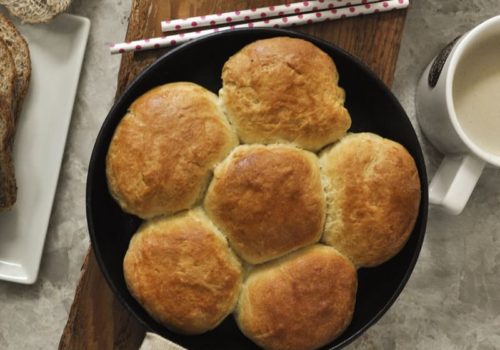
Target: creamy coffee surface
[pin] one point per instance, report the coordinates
(476, 94)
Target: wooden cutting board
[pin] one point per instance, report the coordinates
(97, 320)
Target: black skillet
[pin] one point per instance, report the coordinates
(372, 107)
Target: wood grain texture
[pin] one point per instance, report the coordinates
(97, 320)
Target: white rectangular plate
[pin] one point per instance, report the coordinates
(57, 50)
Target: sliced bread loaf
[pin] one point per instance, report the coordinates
(36, 11)
(20, 53)
(8, 189)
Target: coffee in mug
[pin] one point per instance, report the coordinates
(476, 93)
(458, 109)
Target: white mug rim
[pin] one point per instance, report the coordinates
(454, 59)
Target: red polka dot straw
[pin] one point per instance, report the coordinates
(258, 13)
(275, 16)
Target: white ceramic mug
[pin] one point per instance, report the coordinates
(464, 160)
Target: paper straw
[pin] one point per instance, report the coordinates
(257, 14)
(281, 22)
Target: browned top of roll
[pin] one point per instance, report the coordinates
(284, 90)
(300, 302)
(164, 149)
(373, 197)
(268, 200)
(183, 273)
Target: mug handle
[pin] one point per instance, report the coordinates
(454, 181)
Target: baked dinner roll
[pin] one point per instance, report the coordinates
(300, 302)
(164, 149)
(373, 195)
(182, 271)
(284, 90)
(267, 200)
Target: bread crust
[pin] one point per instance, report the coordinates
(373, 195)
(284, 90)
(300, 302)
(8, 188)
(36, 11)
(268, 200)
(19, 51)
(165, 148)
(181, 270)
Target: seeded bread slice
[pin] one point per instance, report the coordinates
(8, 189)
(20, 53)
(36, 11)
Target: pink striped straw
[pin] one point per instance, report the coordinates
(281, 22)
(257, 14)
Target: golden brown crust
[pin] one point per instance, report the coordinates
(163, 151)
(284, 90)
(373, 194)
(268, 200)
(183, 273)
(300, 302)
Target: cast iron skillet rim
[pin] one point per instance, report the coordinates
(423, 209)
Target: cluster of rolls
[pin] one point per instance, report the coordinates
(258, 202)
